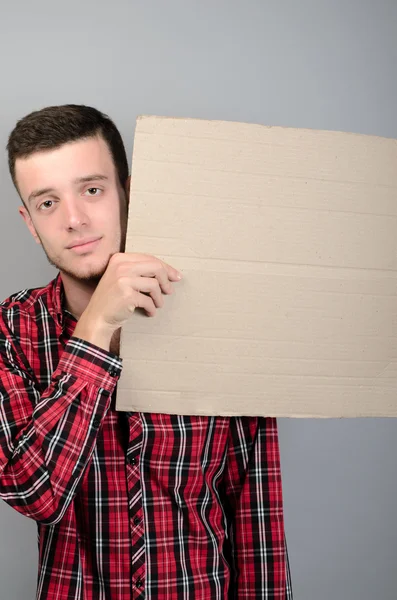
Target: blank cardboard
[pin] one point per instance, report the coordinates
(287, 242)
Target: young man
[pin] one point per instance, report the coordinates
(128, 505)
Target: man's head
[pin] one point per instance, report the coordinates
(70, 168)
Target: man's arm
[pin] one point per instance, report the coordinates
(47, 440)
(254, 509)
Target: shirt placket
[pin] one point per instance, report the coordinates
(135, 508)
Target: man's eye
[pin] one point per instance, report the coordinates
(45, 204)
(93, 191)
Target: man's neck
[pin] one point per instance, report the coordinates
(77, 294)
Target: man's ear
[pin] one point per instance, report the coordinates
(23, 211)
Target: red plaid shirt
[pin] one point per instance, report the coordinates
(130, 505)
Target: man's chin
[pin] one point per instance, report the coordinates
(90, 274)
(92, 277)
(87, 273)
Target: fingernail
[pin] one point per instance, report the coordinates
(179, 275)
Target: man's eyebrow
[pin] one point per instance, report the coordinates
(37, 193)
(94, 177)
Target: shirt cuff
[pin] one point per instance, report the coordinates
(95, 365)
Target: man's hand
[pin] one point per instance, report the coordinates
(130, 281)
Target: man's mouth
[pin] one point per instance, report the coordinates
(83, 245)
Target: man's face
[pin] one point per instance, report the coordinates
(73, 196)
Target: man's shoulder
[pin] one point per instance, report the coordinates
(27, 300)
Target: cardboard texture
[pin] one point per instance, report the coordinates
(287, 242)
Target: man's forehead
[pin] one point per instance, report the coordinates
(70, 163)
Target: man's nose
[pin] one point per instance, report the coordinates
(74, 213)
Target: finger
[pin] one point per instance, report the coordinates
(149, 285)
(145, 302)
(172, 273)
(153, 269)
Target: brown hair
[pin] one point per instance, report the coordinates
(53, 126)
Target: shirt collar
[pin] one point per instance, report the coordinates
(57, 296)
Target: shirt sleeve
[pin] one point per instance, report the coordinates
(47, 439)
(254, 509)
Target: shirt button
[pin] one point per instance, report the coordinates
(96, 421)
(137, 521)
(131, 460)
(113, 371)
(139, 582)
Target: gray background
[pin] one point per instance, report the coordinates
(316, 64)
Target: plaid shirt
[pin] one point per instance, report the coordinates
(130, 505)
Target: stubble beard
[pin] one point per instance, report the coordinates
(94, 276)
(91, 277)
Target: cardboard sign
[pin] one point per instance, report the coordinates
(287, 240)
